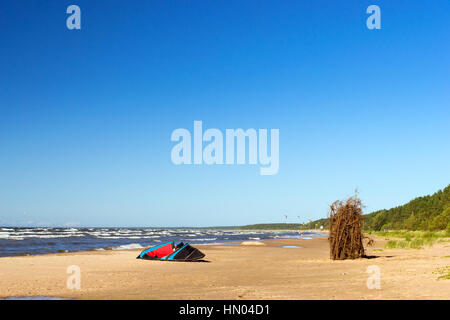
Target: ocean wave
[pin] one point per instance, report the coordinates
(46, 236)
(128, 246)
(17, 241)
(205, 239)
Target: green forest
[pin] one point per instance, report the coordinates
(423, 213)
(429, 213)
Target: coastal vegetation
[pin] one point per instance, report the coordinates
(411, 239)
(444, 273)
(427, 213)
(430, 213)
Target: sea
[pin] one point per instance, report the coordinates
(32, 241)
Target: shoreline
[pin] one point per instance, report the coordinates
(119, 249)
(240, 272)
(139, 246)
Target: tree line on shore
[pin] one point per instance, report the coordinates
(430, 213)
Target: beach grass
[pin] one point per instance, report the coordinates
(412, 239)
(406, 234)
(444, 273)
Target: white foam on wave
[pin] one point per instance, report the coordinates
(47, 236)
(205, 239)
(129, 246)
(214, 244)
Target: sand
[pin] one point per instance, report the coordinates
(233, 272)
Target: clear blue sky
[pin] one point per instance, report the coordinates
(86, 115)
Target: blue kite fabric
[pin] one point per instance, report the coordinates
(172, 252)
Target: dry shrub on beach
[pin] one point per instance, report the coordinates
(345, 237)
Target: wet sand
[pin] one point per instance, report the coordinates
(266, 271)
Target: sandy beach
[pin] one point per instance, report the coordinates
(265, 271)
